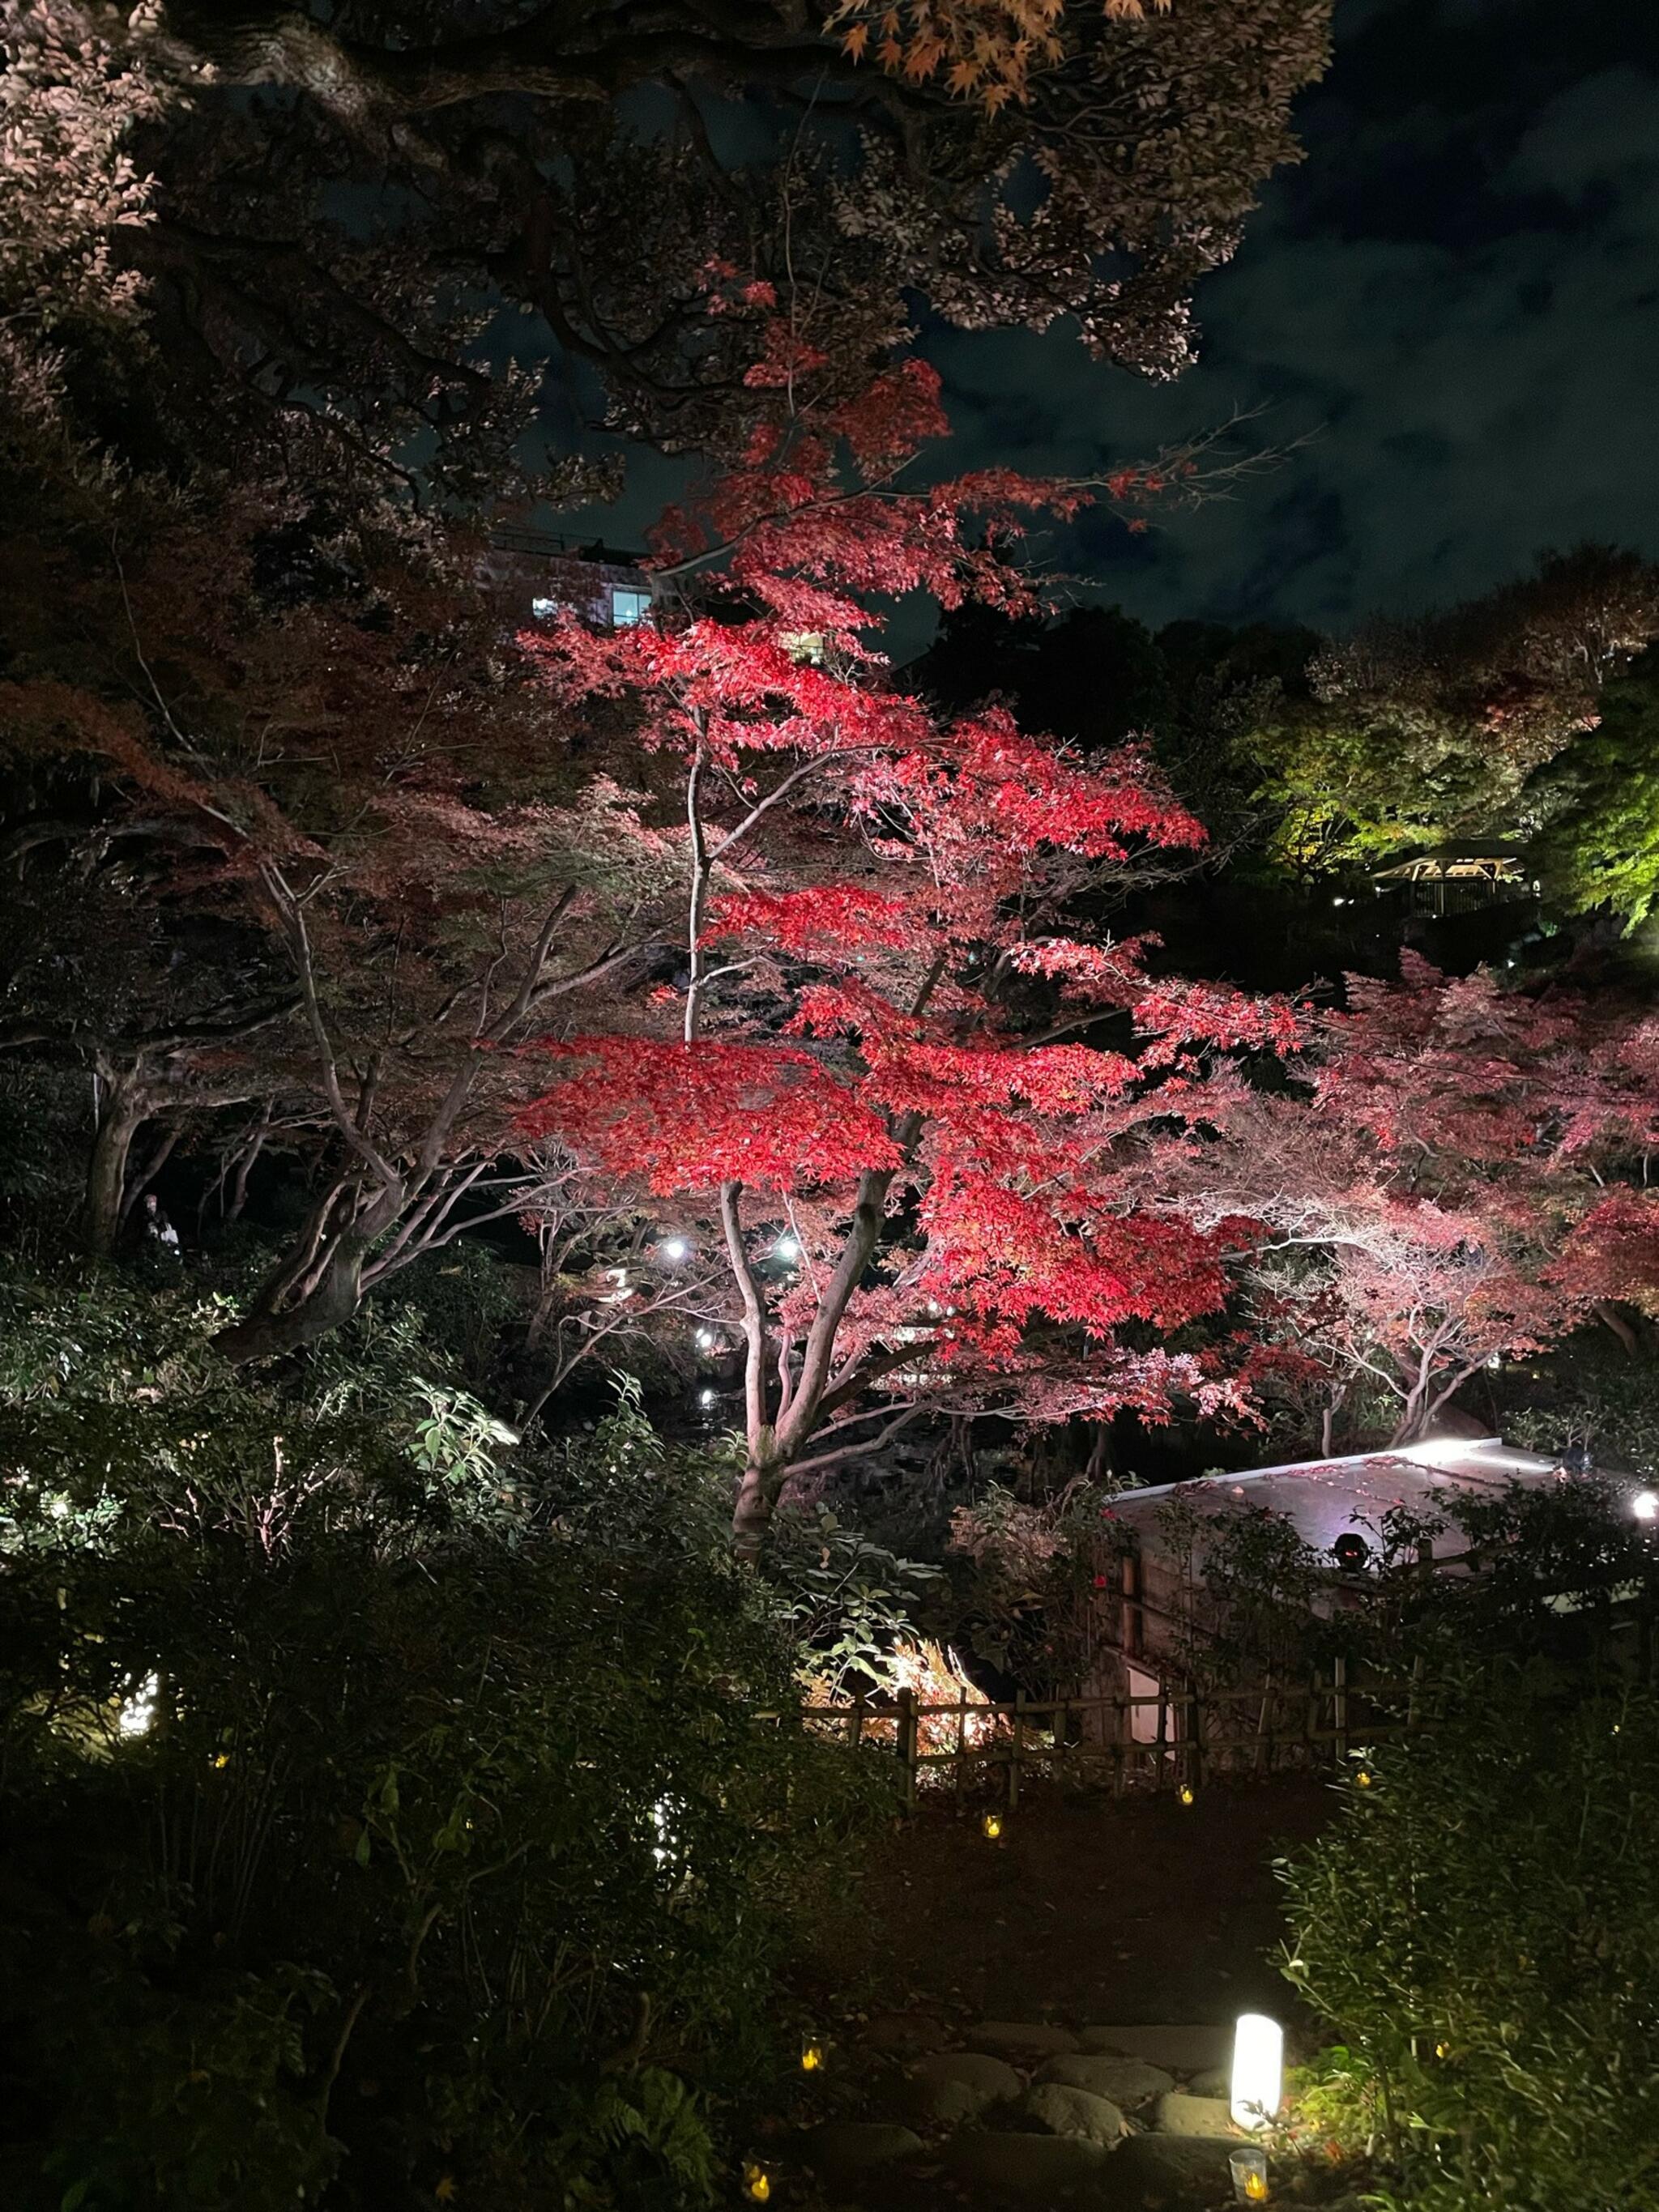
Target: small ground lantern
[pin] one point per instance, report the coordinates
(991, 1826)
(1258, 2069)
(757, 2183)
(1186, 1793)
(1249, 2171)
(812, 2054)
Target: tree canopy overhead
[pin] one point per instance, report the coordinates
(339, 219)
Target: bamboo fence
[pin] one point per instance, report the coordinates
(1186, 1738)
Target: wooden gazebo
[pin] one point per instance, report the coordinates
(1456, 878)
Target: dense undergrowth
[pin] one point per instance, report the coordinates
(384, 1814)
(396, 1810)
(1479, 1927)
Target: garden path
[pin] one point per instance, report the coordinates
(1048, 2015)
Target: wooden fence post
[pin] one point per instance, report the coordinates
(1195, 1736)
(1264, 1729)
(907, 1733)
(1161, 1767)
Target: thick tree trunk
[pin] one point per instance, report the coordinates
(775, 1446)
(330, 1298)
(319, 1283)
(120, 1117)
(1408, 1429)
(752, 1515)
(1609, 1315)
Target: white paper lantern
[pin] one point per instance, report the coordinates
(1258, 2069)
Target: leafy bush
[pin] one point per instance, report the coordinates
(1479, 1925)
(369, 1829)
(848, 1603)
(1591, 1395)
(1027, 1576)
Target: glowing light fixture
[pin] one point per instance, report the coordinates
(812, 2055)
(1249, 2171)
(705, 1397)
(137, 1712)
(991, 1826)
(705, 1340)
(1645, 1505)
(673, 1248)
(757, 2183)
(667, 1847)
(787, 1248)
(1258, 2078)
(1186, 1793)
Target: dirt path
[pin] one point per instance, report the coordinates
(1091, 1911)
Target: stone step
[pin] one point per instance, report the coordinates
(1126, 2081)
(1192, 2049)
(1023, 2041)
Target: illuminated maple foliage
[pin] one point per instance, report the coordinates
(984, 50)
(865, 1076)
(1453, 1180)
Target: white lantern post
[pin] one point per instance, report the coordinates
(1258, 2069)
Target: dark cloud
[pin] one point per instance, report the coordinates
(1459, 291)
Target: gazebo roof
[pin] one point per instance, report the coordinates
(1490, 859)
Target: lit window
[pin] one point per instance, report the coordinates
(628, 607)
(1143, 1718)
(543, 609)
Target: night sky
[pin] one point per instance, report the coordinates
(1458, 291)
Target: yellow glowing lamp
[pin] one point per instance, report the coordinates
(757, 2183)
(991, 1826)
(812, 2055)
(1258, 2078)
(1250, 2172)
(1186, 1793)
(1364, 1778)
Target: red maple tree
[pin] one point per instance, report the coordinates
(864, 1082)
(1453, 1181)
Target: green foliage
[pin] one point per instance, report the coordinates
(1594, 1395)
(1247, 1594)
(375, 1815)
(458, 1438)
(1601, 802)
(464, 1299)
(1347, 783)
(1479, 1925)
(847, 1602)
(115, 1416)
